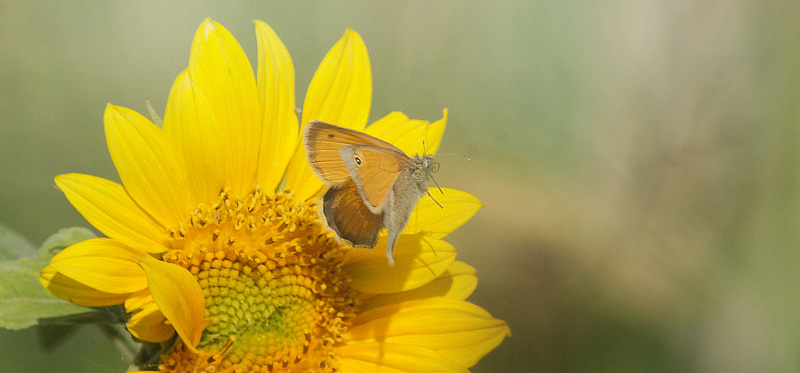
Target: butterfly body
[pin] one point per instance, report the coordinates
(372, 184)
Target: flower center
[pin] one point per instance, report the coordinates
(276, 297)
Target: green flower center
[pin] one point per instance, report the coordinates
(276, 297)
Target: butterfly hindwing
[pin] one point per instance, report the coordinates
(348, 216)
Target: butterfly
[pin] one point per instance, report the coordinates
(371, 183)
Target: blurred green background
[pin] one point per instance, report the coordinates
(638, 160)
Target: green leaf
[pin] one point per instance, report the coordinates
(23, 300)
(101, 315)
(53, 331)
(13, 246)
(65, 237)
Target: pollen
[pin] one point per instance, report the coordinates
(276, 297)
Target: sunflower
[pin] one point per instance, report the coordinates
(214, 246)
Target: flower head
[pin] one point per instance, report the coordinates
(213, 234)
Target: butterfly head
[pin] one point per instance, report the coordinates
(425, 166)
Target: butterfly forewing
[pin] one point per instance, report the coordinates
(375, 171)
(323, 141)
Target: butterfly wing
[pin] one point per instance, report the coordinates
(375, 171)
(323, 142)
(359, 225)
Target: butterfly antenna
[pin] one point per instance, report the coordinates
(458, 154)
(437, 184)
(434, 199)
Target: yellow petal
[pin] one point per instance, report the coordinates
(435, 132)
(457, 282)
(102, 264)
(340, 93)
(458, 330)
(341, 90)
(193, 130)
(418, 261)
(75, 292)
(279, 138)
(150, 325)
(109, 208)
(220, 70)
(138, 301)
(368, 357)
(434, 221)
(178, 296)
(414, 137)
(149, 169)
(384, 314)
(400, 131)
